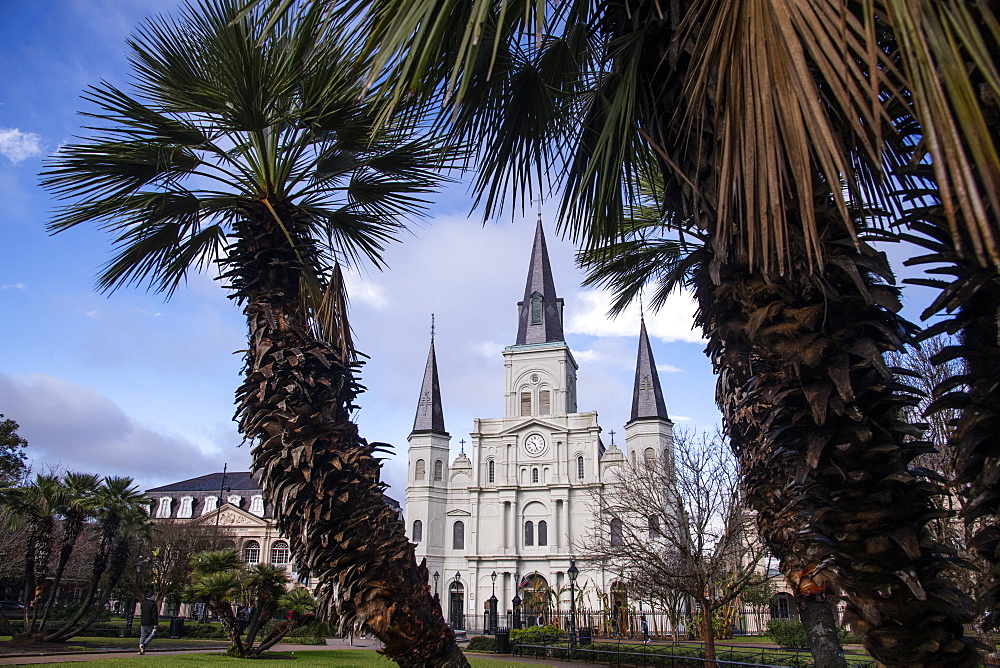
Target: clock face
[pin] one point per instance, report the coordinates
(534, 444)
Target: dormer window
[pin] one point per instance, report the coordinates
(187, 505)
(536, 309)
(163, 510)
(257, 505)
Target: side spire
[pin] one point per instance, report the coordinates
(540, 312)
(647, 396)
(430, 414)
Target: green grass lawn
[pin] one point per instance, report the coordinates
(360, 658)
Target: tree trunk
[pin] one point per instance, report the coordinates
(707, 634)
(119, 557)
(322, 478)
(815, 417)
(821, 630)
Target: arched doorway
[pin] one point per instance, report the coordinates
(619, 608)
(456, 606)
(537, 600)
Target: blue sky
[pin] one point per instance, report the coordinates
(129, 384)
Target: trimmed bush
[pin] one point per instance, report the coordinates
(791, 634)
(482, 644)
(205, 632)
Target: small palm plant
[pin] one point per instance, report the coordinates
(257, 151)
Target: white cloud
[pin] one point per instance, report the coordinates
(18, 146)
(13, 286)
(668, 368)
(673, 322)
(363, 290)
(75, 428)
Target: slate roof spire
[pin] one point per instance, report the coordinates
(540, 313)
(430, 414)
(647, 396)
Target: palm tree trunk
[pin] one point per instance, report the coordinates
(65, 552)
(322, 478)
(95, 604)
(815, 418)
(100, 565)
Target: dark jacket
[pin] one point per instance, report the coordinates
(149, 614)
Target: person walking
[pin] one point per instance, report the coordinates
(644, 627)
(149, 617)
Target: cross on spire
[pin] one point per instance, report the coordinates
(462, 442)
(612, 432)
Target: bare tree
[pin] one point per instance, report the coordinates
(168, 554)
(680, 525)
(926, 368)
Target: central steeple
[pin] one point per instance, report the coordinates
(540, 313)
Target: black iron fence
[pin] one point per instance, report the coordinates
(623, 652)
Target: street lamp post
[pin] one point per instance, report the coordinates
(516, 603)
(139, 564)
(493, 604)
(436, 596)
(573, 572)
(457, 615)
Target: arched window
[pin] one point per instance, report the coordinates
(211, 503)
(419, 470)
(438, 470)
(251, 552)
(617, 539)
(534, 475)
(491, 471)
(579, 467)
(543, 533)
(529, 533)
(650, 457)
(525, 402)
(654, 526)
(163, 510)
(279, 553)
(418, 531)
(458, 536)
(544, 402)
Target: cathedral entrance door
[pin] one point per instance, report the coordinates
(456, 606)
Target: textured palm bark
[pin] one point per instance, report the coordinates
(320, 476)
(815, 418)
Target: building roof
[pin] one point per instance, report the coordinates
(430, 414)
(212, 482)
(242, 481)
(540, 312)
(647, 395)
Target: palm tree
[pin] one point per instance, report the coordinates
(259, 152)
(754, 116)
(33, 509)
(77, 507)
(122, 518)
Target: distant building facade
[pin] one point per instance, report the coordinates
(233, 503)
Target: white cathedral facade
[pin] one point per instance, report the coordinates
(520, 507)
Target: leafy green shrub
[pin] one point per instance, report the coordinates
(791, 634)
(204, 631)
(537, 635)
(788, 633)
(482, 644)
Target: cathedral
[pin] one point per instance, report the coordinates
(509, 521)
